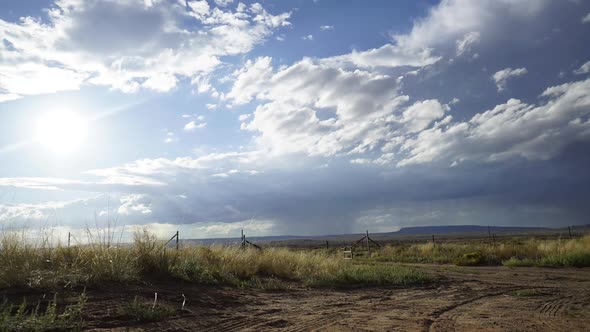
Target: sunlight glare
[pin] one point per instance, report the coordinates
(62, 132)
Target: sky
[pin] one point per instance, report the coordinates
(301, 117)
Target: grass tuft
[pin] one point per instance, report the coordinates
(140, 311)
(33, 318)
(369, 275)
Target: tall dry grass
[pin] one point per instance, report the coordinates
(516, 252)
(42, 266)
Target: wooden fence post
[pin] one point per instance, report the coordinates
(569, 229)
(69, 237)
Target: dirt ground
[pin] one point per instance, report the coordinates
(466, 299)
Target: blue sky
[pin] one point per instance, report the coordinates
(293, 117)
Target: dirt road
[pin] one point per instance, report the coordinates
(466, 299)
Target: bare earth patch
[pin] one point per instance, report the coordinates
(466, 299)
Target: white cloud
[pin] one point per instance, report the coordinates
(170, 137)
(135, 204)
(326, 27)
(308, 37)
(501, 77)
(586, 19)
(125, 45)
(223, 3)
(459, 21)
(17, 212)
(248, 78)
(420, 115)
(191, 126)
(365, 108)
(466, 43)
(386, 56)
(454, 18)
(38, 183)
(513, 129)
(584, 69)
(161, 82)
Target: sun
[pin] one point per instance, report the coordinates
(62, 132)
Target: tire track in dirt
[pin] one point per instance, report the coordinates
(315, 323)
(547, 313)
(236, 324)
(446, 317)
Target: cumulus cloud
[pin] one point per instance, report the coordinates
(133, 204)
(584, 69)
(318, 109)
(586, 19)
(326, 27)
(501, 77)
(140, 45)
(513, 129)
(308, 37)
(223, 3)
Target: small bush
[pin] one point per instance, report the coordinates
(470, 259)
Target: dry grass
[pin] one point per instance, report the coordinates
(28, 265)
(516, 252)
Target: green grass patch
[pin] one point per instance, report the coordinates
(370, 275)
(574, 259)
(142, 311)
(36, 318)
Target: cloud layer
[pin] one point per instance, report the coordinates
(143, 44)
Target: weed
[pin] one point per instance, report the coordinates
(141, 311)
(27, 318)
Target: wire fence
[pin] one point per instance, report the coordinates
(65, 236)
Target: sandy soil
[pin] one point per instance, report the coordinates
(466, 299)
